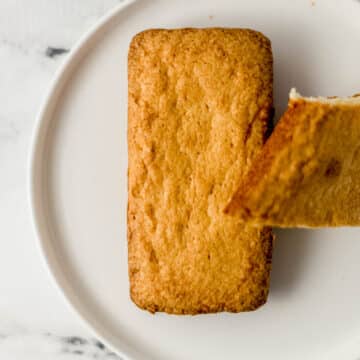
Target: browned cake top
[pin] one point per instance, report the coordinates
(199, 105)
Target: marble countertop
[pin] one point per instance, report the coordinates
(35, 37)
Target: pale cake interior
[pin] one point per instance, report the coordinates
(336, 100)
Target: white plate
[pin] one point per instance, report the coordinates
(78, 190)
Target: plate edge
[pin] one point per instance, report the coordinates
(56, 85)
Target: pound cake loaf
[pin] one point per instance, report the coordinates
(308, 173)
(198, 113)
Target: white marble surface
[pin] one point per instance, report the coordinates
(35, 322)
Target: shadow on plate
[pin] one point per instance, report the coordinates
(291, 249)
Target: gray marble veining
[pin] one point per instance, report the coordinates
(50, 346)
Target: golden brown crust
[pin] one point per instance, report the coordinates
(199, 105)
(307, 173)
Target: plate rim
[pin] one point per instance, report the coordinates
(42, 119)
